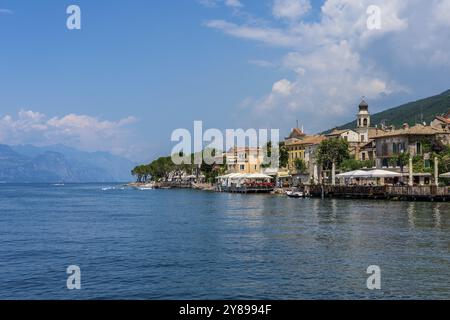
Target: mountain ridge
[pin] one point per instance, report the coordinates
(59, 163)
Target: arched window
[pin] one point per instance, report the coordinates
(366, 122)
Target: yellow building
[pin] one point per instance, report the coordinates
(296, 150)
(244, 160)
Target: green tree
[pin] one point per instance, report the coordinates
(300, 166)
(332, 151)
(353, 164)
(283, 156)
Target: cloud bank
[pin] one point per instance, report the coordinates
(336, 59)
(79, 131)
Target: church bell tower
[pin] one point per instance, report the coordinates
(363, 117)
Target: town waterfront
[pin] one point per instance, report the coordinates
(187, 244)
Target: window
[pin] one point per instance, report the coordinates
(363, 156)
(384, 149)
(394, 148)
(242, 167)
(365, 122)
(418, 148)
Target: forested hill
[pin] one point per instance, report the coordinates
(412, 112)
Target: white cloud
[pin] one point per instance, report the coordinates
(79, 131)
(233, 3)
(262, 63)
(441, 12)
(270, 36)
(282, 87)
(228, 3)
(6, 11)
(336, 59)
(290, 9)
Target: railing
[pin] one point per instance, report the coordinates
(247, 189)
(380, 191)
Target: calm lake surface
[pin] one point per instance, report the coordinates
(183, 244)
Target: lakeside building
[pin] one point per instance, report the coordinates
(244, 160)
(416, 141)
(442, 122)
(381, 145)
(302, 150)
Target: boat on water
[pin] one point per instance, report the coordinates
(295, 194)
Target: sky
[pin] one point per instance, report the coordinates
(137, 70)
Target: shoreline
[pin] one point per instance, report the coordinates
(390, 193)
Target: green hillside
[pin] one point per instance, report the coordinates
(412, 113)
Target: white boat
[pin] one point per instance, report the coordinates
(295, 194)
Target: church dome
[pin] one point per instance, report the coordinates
(363, 105)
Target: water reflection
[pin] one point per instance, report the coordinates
(437, 215)
(411, 212)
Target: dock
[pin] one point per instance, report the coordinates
(246, 189)
(404, 193)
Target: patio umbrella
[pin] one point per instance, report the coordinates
(353, 174)
(445, 175)
(383, 174)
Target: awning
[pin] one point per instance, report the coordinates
(241, 176)
(258, 176)
(445, 175)
(353, 174)
(369, 174)
(383, 174)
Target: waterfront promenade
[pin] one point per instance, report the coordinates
(416, 193)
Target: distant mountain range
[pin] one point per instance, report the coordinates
(424, 110)
(59, 163)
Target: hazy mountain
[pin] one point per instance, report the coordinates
(423, 110)
(58, 163)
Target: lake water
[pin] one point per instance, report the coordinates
(184, 244)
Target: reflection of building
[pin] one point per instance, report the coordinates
(244, 160)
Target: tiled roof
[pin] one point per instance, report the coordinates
(306, 140)
(296, 133)
(445, 119)
(416, 130)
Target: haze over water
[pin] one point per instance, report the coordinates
(183, 244)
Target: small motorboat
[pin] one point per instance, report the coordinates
(295, 194)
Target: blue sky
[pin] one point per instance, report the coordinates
(137, 70)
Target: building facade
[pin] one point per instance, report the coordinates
(244, 160)
(415, 141)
